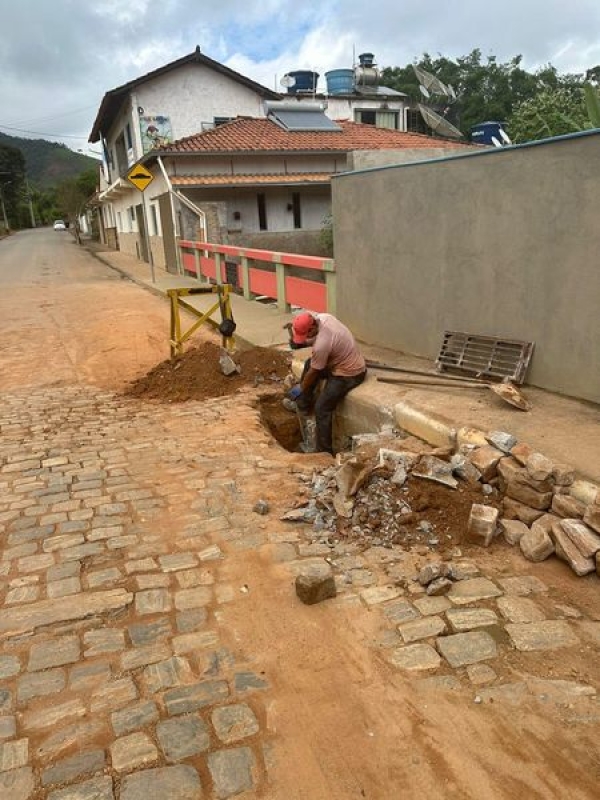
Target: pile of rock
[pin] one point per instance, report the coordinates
(545, 510)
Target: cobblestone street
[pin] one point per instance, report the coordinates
(114, 516)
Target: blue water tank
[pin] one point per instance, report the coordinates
(340, 81)
(484, 131)
(305, 81)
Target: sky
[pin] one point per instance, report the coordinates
(59, 57)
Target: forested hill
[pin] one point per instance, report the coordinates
(49, 163)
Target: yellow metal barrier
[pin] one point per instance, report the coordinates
(226, 326)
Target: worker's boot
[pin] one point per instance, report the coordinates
(308, 428)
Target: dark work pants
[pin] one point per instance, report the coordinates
(333, 391)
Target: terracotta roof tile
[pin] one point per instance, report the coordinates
(251, 180)
(262, 135)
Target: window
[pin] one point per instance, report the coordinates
(262, 211)
(119, 222)
(128, 138)
(296, 210)
(381, 119)
(222, 120)
(131, 210)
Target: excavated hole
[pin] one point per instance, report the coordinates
(283, 425)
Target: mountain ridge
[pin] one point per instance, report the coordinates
(49, 163)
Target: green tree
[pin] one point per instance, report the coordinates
(12, 177)
(551, 112)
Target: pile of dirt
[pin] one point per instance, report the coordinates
(196, 375)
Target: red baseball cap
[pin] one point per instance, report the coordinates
(301, 326)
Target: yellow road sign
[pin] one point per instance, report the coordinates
(140, 177)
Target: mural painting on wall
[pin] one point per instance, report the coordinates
(156, 132)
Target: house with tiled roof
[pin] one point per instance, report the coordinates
(191, 94)
(266, 182)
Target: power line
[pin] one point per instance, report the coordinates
(40, 133)
(55, 116)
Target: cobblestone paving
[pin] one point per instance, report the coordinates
(117, 680)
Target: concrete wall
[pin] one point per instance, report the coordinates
(502, 243)
(366, 159)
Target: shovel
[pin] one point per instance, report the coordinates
(505, 391)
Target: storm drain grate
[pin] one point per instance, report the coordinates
(484, 356)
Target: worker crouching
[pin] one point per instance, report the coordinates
(336, 366)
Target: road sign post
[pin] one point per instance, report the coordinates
(141, 178)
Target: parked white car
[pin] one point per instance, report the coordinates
(59, 225)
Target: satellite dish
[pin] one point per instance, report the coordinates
(430, 82)
(496, 142)
(287, 81)
(438, 124)
(504, 135)
(424, 92)
(451, 92)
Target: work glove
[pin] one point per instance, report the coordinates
(295, 392)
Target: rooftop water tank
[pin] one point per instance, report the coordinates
(486, 132)
(340, 81)
(366, 59)
(305, 80)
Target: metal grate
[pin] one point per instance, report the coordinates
(484, 356)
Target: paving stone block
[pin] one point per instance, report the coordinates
(152, 601)
(432, 605)
(61, 571)
(76, 766)
(520, 609)
(63, 588)
(568, 551)
(152, 581)
(415, 657)
(85, 677)
(191, 698)
(8, 727)
(134, 717)
(467, 648)
(480, 674)
(233, 723)
(145, 633)
(9, 666)
(232, 771)
(513, 530)
(142, 656)
(192, 598)
(167, 674)
(102, 577)
(54, 653)
(568, 507)
(481, 527)
(38, 684)
(529, 496)
(548, 635)
(468, 619)
(95, 789)
(583, 537)
(17, 784)
(513, 509)
(130, 752)
(473, 590)
(182, 738)
(39, 718)
(522, 585)
(486, 459)
(103, 640)
(22, 594)
(400, 611)
(424, 628)
(536, 545)
(14, 754)
(114, 695)
(173, 783)
(248, 681)
(177, 561)
(191, 642)
(69, 739)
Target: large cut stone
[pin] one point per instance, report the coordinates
(17, 784)
(566, 506)
(520, 609)
(501, 440)
(512, 509)
(486, 459)
(567, 550)
(466, 648)
(175, 783)
(183, 737)
(481, 527)
(548, 635)
(592, 516)
(528, 496)
(536, 545)
(233, 723)
(513, 530)
(190, 698)
(421, 629)
(315, 583)
(47, 612)
(584, 538)
(467, 619)
(539, 467)
(415, 657)
(471, 591)
(232, 771)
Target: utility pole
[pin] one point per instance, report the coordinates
(4, 210)
(30, 204)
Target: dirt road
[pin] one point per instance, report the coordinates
(151, 638)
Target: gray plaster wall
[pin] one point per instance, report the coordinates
(502, 243)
